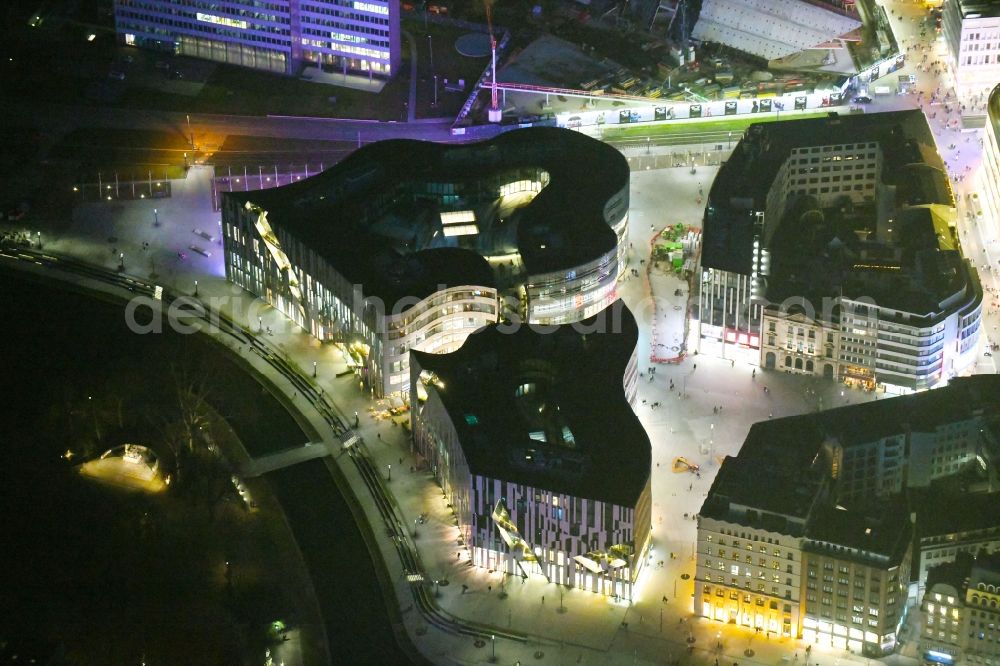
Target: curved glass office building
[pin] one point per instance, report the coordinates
(413, 245)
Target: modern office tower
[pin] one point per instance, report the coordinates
(961, 612)
(972, 33)
(829, 245)
(412, 245)
(541, 482)
(824, 551)
(359, 36)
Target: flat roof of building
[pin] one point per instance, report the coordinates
(880, 535)
(954, 574)
(788, 452)
(523, 406)
(979, 8)
(770, 29)
(785, 452)
(743, 182)
(941, 513)
(561, 228)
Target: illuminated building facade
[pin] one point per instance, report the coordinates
(989, 172)
(413, 245)
(278, 36)
(961, 612)
(541, 483)
(972, 33)
(840, 259)
(857, 568)
(824, 552)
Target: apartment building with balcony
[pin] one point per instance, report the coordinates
(542, 484)
(413, 245)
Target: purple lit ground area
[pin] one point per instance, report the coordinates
(158, 239)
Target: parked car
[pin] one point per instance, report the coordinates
(862, 99)
(117, 75)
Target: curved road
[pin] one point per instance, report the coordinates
(394, 524)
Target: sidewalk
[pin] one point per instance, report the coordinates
(590, 629)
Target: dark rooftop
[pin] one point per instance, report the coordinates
(941, 513)
(742, 184)
(955, 574)
(880, 534)
(523, 405)
(369, 219)
(785, 452)
(782, 470)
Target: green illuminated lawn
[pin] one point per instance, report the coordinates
(740, 124)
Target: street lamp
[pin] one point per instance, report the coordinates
(390, 471)
(121, 261)
(314, 369)
(196, 289)
(156, 217)
(39, 236)
(260, 324)
(493, 647)
(190, 133)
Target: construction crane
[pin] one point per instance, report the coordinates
(495, 113)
